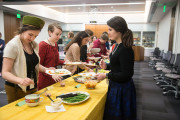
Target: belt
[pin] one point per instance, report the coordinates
(16, 86)
(11, 84)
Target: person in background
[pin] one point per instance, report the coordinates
(90, 44)
(121, 96)
(21, 60)
(59, 42)
(100, 43)
(49, 56)
(107, 42)
(2, 44)
(73, 52)
(70, 37)
(83, 50)
(94, 38)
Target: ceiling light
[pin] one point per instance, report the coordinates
(116, 12)
(105, 4)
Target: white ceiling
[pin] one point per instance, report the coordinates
(100, 6)
(79, 7)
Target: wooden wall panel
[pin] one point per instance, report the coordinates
(7, 27)
(91, 27)
(11, 25)
(172, 25)
(97, 29)
(138, 53)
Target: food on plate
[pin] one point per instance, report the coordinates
(78, 98)
(81, 79)
(61, 72)
(90, 84)
(74, 63)
(66, 95)
(58, 72)
(50, 72)
(106, 60)
(88, 74)
(100, 71)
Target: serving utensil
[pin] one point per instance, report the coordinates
(46, 89)
(50, 98)
(43, 92)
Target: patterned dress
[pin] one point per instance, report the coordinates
(49, 57)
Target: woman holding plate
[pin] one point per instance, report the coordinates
(48, 52)
(73, 52)
(121, 96)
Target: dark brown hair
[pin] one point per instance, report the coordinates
(77, 39)
(90, 32)
(119, 25)
(51, 27)
(71, 34)
(26, 28)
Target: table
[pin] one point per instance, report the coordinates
(92, 109)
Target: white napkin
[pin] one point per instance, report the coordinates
(24, 87)
(51, 109)
(31, 86)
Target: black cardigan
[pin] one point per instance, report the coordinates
(121, 64)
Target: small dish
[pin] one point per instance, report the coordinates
(56, 104)
(90, 84)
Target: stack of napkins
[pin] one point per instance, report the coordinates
(51, 109)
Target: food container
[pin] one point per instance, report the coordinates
(56, 104)
(33, 100)
(90, 84)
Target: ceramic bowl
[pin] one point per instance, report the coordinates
(33, 99)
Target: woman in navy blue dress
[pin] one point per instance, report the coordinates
(121, 96)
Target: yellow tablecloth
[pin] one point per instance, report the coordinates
(92, 109)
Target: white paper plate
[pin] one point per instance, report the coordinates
(90, 64)
(95, 50)
(80, 101)
(89, 74)
(61, 72)
(94, 58)
(73, 63)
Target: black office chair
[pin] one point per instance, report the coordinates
(171, 69)
(175, 80)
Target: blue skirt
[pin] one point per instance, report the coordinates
(121, 101)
